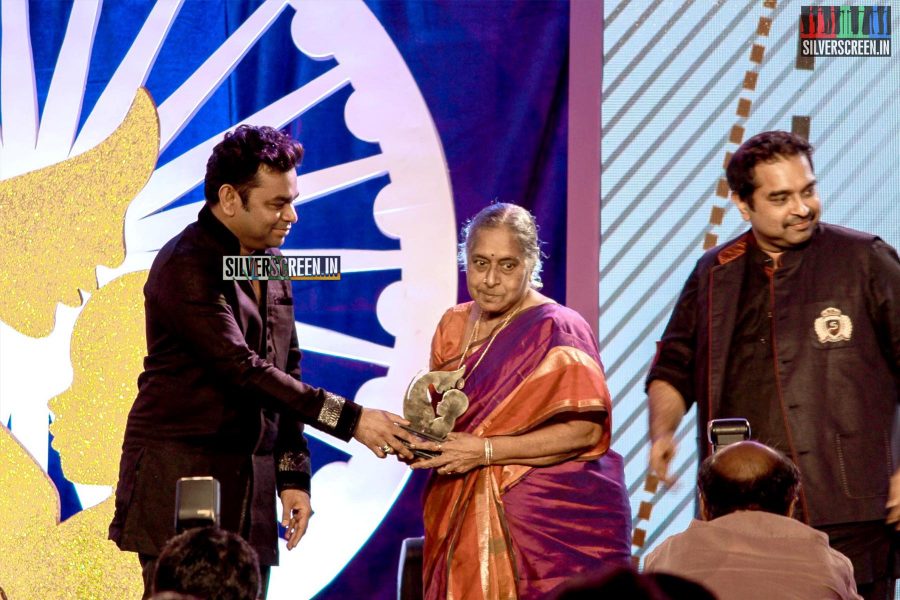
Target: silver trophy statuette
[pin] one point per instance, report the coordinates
(429, 421)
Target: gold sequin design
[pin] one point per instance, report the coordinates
(331, 410)
(60, 222)
(108, 348)
(39, 556)
(294, 462)
(63, 221)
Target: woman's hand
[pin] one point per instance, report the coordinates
(459, 453)
(561, 439)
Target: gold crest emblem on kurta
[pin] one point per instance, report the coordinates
(833, 326)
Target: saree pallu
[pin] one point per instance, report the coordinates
(516, 531)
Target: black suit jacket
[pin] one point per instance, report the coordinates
(838, 396)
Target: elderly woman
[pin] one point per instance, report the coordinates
(525, 492)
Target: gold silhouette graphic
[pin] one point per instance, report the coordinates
(45, 263)
(40, 557)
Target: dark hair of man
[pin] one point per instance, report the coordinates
(208, 562)
(768, 147)
(237, 158)
(767, 482)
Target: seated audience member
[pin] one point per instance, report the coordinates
(747, 546)
(624, 582)
(208, 562)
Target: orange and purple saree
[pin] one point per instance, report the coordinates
(516, 531)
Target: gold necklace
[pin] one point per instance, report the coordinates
(462, 379)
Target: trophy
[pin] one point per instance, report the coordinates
(434, 421)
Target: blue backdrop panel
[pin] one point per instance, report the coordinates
(494, 77)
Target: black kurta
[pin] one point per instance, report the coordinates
(220, 395)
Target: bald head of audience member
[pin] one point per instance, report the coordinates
(747, 476)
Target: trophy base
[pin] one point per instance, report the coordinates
(417, 452)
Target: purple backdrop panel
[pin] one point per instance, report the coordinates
(495, 78)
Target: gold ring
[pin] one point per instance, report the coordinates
(386, 449)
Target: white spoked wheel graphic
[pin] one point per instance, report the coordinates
(386, 108)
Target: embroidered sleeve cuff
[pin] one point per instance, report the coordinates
(293, 471)
(294, 462)
(338, 416)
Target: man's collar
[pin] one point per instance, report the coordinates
(734, 250)
(790, 257)
(756, 255)
(793, 256)
(231, 244)
(211, 223)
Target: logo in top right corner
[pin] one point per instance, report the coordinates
(845, 30)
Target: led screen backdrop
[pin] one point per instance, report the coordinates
(683, 84)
